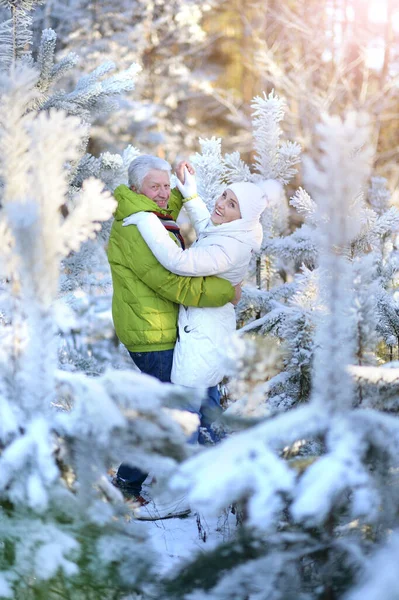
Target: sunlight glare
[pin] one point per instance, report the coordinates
(395, 21)
(374, 54)
(377, 11)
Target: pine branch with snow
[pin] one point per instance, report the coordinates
(388, 318)
(210, 170)
(273, 160)
(366, 291)
(110, 168)
(304, 205)
(45, 59)
(343, 143)
(288, 156)
(236, 169)
(93, 207)
(94, 94)
(15, 32)
(378, 195)
(376, 580)
(300, 247)
(60, 432)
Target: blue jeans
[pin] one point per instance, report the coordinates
(207, 412)
(210, 411)
(159, 365)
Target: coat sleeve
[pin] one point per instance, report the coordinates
(198, 214)
(175, 203)
(210, 260)
(190, 291)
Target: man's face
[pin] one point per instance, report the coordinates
(156, 185)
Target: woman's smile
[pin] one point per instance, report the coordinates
(226, 209)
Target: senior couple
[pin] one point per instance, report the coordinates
(153, 274)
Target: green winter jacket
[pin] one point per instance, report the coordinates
(146, 295)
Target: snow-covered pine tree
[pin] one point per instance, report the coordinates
(290, 309)
(62, 524)
(167, 40)
(87, 343)
(210, 170)
(274, 160)
(88, 339)
(93, 93)
(388, 311)
(309, 526)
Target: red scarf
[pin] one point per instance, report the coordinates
(170, 225)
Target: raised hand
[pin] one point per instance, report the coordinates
(189, 186)
(180, 169)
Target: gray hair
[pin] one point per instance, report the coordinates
(142, 165)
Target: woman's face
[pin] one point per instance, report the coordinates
(226, 208)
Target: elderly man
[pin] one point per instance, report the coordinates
(146, 296)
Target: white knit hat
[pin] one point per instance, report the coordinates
(251, 198)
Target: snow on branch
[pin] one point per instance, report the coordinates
(300, 247)
(263, 477)
(6, 44)
(49, 71)
(36, 150)
(325, 482)
(17, 91)
(288, 156)
(236, 169)
(91, 95)
(210, 170)
(378, 578)
(7, 258)
(375, 375)
(340, 173)
(273, 160)
(262, 300)
(95, 205)
(386, 224)
(63, 66)
(335, 179)
(304, 204)
(16, 32)
(378, 195)
(45, 59)
(110, 168)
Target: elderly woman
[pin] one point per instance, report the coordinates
(225, 242)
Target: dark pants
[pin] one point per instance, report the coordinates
(159, 365)
(209, 412)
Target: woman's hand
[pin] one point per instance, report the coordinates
(188, 187)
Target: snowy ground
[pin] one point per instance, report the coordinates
(178, 539)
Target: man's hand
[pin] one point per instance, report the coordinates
(138, 218)
(180, 169)
(237, 295)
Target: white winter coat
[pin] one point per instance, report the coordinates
(223, 250)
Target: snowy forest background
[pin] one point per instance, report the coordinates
(300, 500)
